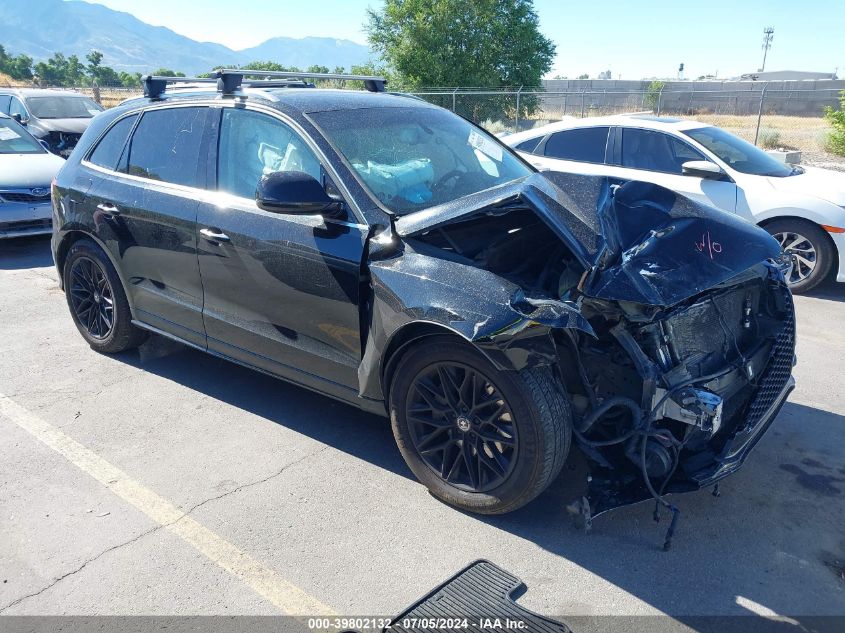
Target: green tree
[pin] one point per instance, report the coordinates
(836, 138)
(316, 68)
(478, 43)
(16, 66)
(584, 76)
(271, 66)
(652, 94)
(166, 72)
(130, 80)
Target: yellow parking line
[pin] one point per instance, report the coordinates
(267, 583)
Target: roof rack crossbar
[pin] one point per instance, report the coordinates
(229, 80)
(372, 83)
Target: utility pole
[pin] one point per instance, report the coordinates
(768, 35)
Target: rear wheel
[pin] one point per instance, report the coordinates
(97, 301)
(809, 249)
(480, 439)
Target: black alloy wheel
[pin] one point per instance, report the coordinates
(461, 426)
(91, 297)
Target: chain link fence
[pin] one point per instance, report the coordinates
(790, 119)
(770, 116)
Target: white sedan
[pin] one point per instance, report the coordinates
(802, 207)
(26, 170)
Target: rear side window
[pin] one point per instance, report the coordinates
(166, 146)
(584, 145)
(5, 100)
(530, 145)
(110, 148)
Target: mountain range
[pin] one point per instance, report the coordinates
(39, 28)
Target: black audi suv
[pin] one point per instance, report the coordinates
(390, 254)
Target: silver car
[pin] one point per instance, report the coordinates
(57, 117)
(26, 171)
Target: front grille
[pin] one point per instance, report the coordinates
(26, 225)
(24, 197)
(778, 371)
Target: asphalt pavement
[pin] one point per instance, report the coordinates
(165, 481)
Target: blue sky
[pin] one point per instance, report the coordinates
(631, 39)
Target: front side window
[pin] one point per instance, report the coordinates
(166, 146)
(739, 154)
(110, 148)
(16, 107)
(253, 145)
(655, 151)
(584, 145)
(413, 158)
(62, 107)
(14, 139)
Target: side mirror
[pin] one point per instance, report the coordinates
(17, 117)
(295, 192)
(702, 169)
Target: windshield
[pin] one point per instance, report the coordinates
(738, 154)
(15, 140)
(58, 107)
(414, 158)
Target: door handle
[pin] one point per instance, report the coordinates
(108, 208)
(214, 236)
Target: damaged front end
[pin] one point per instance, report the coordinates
(669, 323)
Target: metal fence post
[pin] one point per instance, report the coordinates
(516, 120)
(660, 98)
(760, 112)
(582, 101)
(453, 99)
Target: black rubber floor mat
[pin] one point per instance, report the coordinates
(478, 598)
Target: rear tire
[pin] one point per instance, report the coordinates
(97, 300)
(513, 429)
(810, 248)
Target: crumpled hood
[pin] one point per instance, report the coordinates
(664, 248)
(570, 212)
(71, 126)
(644, 243)
(24, 171)
(822, 183)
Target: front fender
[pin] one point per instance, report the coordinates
(487, 311)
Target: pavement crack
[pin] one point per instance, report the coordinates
(56, 581)
(161, 526)
(252, 483)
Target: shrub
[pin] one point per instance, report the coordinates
(835, 142)
(769, 138)
(652, 94)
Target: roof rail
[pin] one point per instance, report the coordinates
(229, 80)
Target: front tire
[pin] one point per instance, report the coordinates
(810, 249)
(480, 439)
(97, 300)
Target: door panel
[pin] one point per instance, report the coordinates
(147, 217)
(281, 291)
(151, 231)
(656, 157)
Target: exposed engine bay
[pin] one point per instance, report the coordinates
(665, 398)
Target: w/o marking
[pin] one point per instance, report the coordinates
(267, 583)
